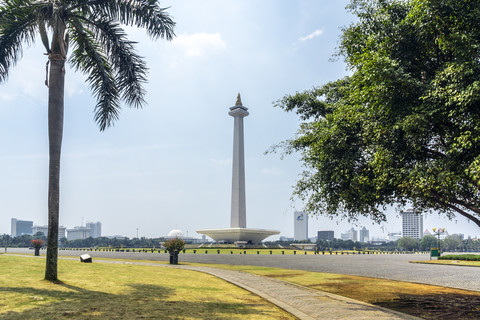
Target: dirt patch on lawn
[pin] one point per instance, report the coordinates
(438, 306)
(423, 301)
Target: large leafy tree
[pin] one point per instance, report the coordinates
(407, 243)
(405, 125)
(91, 31)
(428, 241)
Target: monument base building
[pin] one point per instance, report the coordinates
(232, 235)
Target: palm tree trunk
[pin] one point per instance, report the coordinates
(55, 134)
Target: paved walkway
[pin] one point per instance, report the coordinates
(302, 302)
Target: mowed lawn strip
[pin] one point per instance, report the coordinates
(122, 291)
(451, 262)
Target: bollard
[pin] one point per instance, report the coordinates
(283, 252)
(270, 251)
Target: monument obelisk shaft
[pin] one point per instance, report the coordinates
(238, 217)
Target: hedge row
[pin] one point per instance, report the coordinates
(466, 257)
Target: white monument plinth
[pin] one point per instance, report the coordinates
(238, 230)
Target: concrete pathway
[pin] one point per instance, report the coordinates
(302, 302)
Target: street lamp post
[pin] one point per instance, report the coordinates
(438, 232)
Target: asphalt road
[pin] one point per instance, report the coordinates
(394, 267)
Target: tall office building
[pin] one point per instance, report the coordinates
(412, 224)
(300, 222)
(78, 233)
(95, 229)
(325, 235)
(351, 234)
(44, 229)
(364, 235)
(19, 227)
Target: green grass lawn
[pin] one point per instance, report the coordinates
(119, 291)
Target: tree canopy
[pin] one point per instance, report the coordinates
(407, 243)
(404, 126)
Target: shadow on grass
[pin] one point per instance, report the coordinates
(140, 302)
(438, 306)
(444, 306)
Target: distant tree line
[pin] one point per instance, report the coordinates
(24, 241)
(453, 242)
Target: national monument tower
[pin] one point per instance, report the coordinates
(238, 230)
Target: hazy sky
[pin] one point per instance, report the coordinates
(169, 165)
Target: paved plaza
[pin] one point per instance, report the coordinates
(394, 267)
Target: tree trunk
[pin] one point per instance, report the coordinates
(55, 134)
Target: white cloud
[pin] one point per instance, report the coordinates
(312, 35)
(199, 44)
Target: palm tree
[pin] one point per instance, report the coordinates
(99, 49)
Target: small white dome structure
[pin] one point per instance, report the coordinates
(176, 233)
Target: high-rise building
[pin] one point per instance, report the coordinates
(19, 227)
(44, 230)
(351, 234)
(412, 224)
(364, 235)
(328, 235)
(61, 232)
(78, 233)
(300, 222)
(95, 229)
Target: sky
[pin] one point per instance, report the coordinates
(168, 166)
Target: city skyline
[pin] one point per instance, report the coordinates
(169, 164)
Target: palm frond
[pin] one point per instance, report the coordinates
(145, 14)
(18, 24)
(89, 57)
(130, 69)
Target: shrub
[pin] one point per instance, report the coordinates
(466, 257)
(37, 243)
(174, 245)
